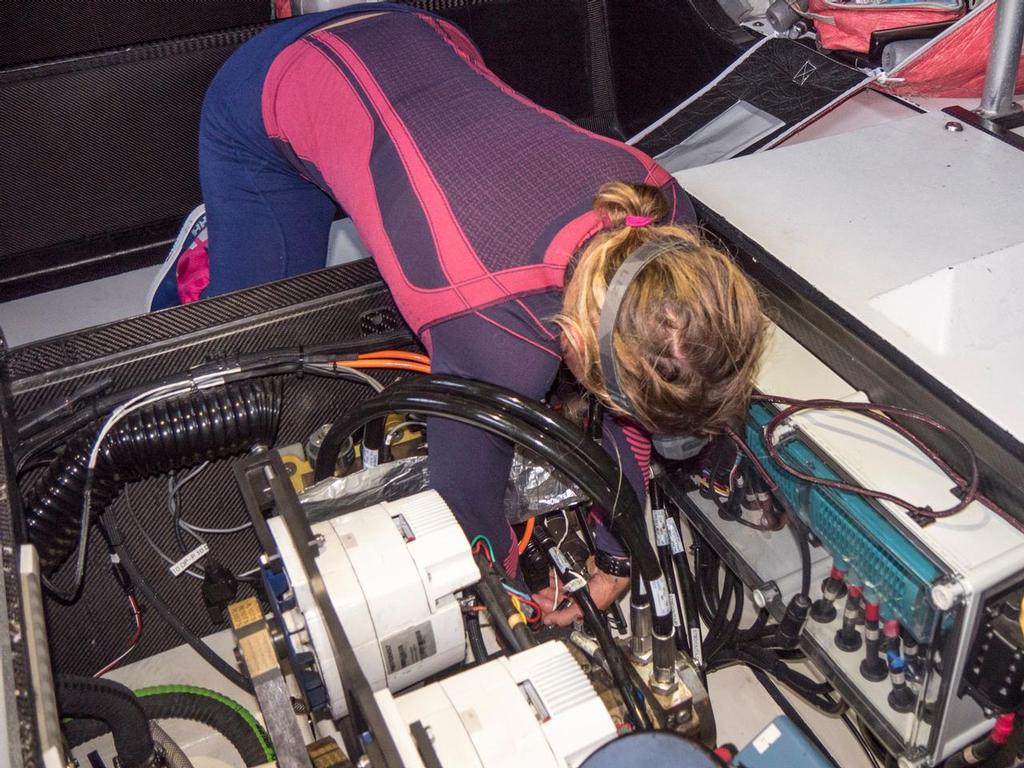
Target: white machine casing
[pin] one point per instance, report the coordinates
(536, 708)
(391, 571)
(979, 554)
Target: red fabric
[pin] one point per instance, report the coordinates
(193, 272)
(955, 66)
(851, 29)
(282, 9)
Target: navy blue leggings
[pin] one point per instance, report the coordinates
(265, 221)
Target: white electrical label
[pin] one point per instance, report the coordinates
(408, 647)
(659, 596)
(660, 529)
(768, 737)
(695, 645)
(182, 565)
(674, 539)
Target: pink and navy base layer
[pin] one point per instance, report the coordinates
(471, 199)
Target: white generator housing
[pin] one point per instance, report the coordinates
(536, 709)
(391, 571)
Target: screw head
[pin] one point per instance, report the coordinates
(954, 127)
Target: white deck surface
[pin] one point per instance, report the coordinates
(915, 230)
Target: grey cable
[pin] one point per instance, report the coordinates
(174, 756)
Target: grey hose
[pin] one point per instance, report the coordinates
(174, 757)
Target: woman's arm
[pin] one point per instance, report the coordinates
(469, 467)
(630, 447)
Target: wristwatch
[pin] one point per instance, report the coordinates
(613, 565)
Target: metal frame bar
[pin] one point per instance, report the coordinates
(264, 485)
(1003, 60)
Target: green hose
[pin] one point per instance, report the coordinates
(192, 690)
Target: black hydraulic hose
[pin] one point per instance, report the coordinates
(114, 705)
(688, 592)
(700, 569)
(500, 605)
(618, 665)
(665, 558)
(604, 488)
(728, 633)
(768, 661)
(240, 367)
(498, 617)
(622, 506)
(615, 657)
(251, 745)
(800, 534)
(528, 424)
(152, 598)
(714, 635)
(476, 638)
(756, 630)
(790, 711)
(179, 432)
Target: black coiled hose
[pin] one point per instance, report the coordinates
(169, 435)
(116, 707)
(252, 743)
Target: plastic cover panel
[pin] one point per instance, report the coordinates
(784, 78)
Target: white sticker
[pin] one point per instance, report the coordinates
(408, 647)
(675, 610)
(696, 647)
(768, 737)
(674, 540)
(182, 565)
(660, 531)
(371, 458)
(576, 584)
(659, 596)
(559, 559)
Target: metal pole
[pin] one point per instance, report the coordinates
(1003, 59)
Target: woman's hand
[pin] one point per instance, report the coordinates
(604, 588)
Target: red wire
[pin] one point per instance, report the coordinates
(881, 414)
(137, 613)
(481, 547)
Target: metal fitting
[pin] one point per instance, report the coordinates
(766, 594)
(663, 672)
(947, 594)
(640, 645)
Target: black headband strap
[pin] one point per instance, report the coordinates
(624, 275)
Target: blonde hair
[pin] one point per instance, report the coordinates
(690, 330)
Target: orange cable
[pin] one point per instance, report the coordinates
(396, 354)
(527, 535)
(400, 365)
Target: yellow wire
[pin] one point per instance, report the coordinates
(1020, 618)
(518, 606)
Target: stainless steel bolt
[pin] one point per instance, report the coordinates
(954, 127)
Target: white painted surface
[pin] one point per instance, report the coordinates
(875, 218)
(973, 542)
(118, 297)
(78, 306)
(182, 666)
(862, 110)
